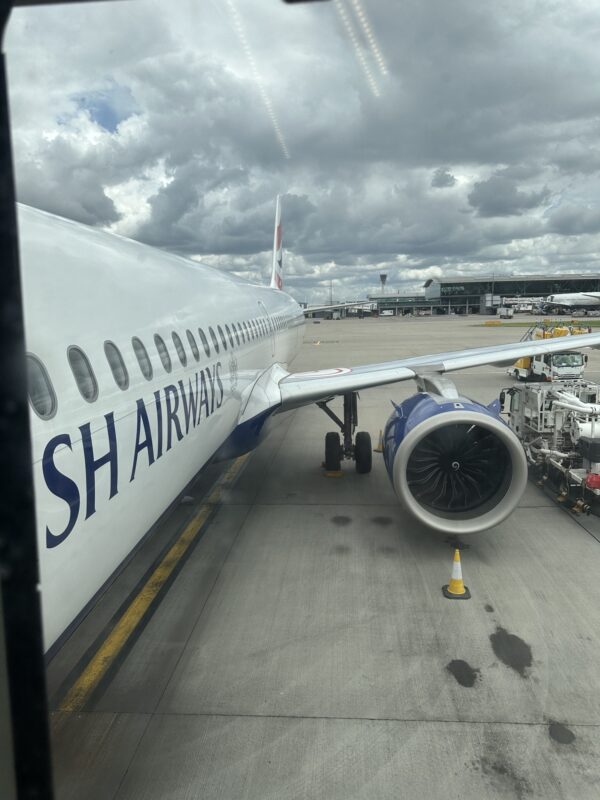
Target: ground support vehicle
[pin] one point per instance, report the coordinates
(559, 428)
(550, 367)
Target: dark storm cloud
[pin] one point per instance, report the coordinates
(63, 185)
(442, 178)
(573, 220)
(500, 197)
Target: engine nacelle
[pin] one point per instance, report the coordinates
(454, 463)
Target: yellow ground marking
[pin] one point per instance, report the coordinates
(333, 473)
(80, 692)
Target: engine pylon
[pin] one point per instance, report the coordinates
(456, 589)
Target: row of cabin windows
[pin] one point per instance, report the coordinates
(43, 397)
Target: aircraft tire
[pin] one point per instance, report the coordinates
(363, 452)
(332, 452)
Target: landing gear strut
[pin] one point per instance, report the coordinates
(360, 449)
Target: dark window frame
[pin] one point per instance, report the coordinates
(214, 339)
(110, 344)
(73, 348)
(193, 345)
(162, 353)
(137, 339)
(50, 388)
(204, 342)
(179, 348)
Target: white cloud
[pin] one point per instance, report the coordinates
(478, 154)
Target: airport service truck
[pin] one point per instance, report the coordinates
(552, 366)
(559, 428)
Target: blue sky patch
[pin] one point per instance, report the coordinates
(108, 107)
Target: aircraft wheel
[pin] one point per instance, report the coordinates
(363, 452)
(332, 452)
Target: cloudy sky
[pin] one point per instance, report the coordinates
(419, 138)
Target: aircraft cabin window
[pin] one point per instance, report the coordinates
(143, 358)
(193, 345)
(229, 336)
(204, 341)
(235, 332)
(161, 348)
(179, 347)
(41, 393)
(83, 373)
(222, 335)
(214, 339)
(117, 365)
(245, 331)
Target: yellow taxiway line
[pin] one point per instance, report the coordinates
(80, 692)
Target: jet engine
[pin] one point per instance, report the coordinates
(454, 464)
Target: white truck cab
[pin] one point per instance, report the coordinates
(550, 367)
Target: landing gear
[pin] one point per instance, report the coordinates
(360, 450)
(363, 452)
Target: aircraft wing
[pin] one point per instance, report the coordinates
(301, 388)
(313, 309)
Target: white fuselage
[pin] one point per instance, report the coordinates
(106, 469)
(582, 300)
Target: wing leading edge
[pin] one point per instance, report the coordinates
(301, 388)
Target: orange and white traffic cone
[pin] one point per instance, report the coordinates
(379, 448)
(456, 589)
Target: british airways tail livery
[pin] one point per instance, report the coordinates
(143, 366)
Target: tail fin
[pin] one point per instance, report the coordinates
(276, 271)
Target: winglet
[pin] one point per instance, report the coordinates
(276, 271)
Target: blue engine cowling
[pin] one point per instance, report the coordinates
(454, 463)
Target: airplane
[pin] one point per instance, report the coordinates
(571, 303)
(144, 366)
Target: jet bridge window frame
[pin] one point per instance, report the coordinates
(143, 357)
(163, 353)
(83, 373)
(117, 365)
(179, 348)
(46, 384)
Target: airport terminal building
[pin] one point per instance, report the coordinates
(482, 294)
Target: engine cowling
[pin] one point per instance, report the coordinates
(454, 463)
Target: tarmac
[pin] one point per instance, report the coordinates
(305, 649)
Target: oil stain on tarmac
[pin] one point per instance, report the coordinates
(463, 672)
(511, 650)
(383, 521)
(560, 733)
